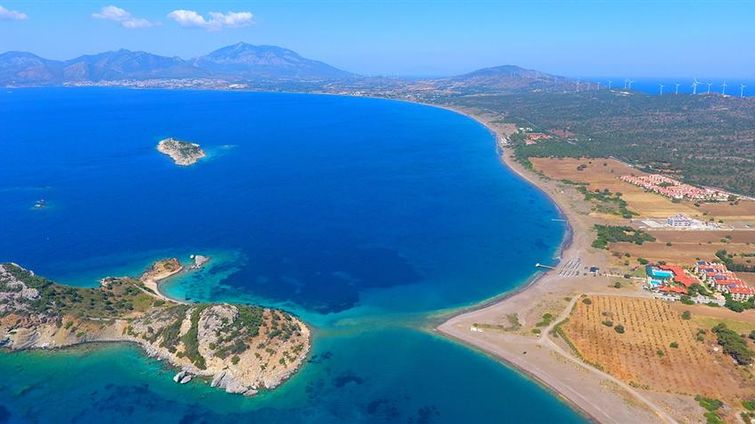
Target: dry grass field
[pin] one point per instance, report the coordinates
(683, 253)
(602, 174)
(643, 356)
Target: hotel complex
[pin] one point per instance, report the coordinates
(674, 189)
(674, 281)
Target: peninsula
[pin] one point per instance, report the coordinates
(238, 348)
(183, 153)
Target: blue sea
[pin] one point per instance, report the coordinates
(652, 86)
(365, 217)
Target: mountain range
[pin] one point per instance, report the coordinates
(240, 62)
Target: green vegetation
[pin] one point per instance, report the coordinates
(547, 319)
(665, 134)
(728, 259)
(118, 297)
(686, 315)
(738, 306)
(607, 202)
(674, 345)
(191, 339)
(711, 406)
(619, 329)
(733, 344)
(587, 301)
(612, 234)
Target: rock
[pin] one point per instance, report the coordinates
(177, 378)
(199, 261)
(225, 380)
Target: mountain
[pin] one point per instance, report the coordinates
(506, 78)
(126, 64)
(239, 63)
(267, 62)
(20, 68)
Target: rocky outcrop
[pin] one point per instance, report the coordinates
(239, 348)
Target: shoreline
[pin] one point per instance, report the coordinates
(504, 350)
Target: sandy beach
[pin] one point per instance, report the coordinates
(544, 357)
(160, 271)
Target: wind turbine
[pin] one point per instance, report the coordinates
(709, 84)
(661, 89)
(742, 90)
(609, 84)
(723, 88)
(695, 83)
(630, 84)
(677, 88)
(626, 81)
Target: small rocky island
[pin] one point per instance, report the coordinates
(183, 153)
(239, 348)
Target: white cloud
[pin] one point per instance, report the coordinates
(215, 22)
(123, 17)
(11, 15)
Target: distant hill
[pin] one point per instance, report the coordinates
(238, 62)
(28, 69)
(126, 64)
(269, 62)
(506, 78)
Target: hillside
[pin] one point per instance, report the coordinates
(240, 348)
(704, 140)
(239, 62)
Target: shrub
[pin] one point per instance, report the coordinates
(674, 345)
(733, 344)
(587, 301)
(235, 359)
(608, 323)
(686, 315)
(619, 329)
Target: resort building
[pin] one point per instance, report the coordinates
(720, 279)
(674, 189)
(670, 282)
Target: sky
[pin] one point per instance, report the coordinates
(635, 39)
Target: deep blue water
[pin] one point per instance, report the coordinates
(362, 216)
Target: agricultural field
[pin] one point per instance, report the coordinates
(683, 253)
(648, 344)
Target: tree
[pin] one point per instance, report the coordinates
(686, 315)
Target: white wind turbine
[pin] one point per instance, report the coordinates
(630, 84)
(695, 83)
(660, 86)
(677, 88)
(709, 84)
(742, 90)
(723, 88)
(609, 84)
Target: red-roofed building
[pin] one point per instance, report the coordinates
(680, 276)
(673, 289)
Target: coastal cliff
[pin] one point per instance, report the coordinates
(239, 348)
(183, 153)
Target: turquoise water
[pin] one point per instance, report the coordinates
(362, 216)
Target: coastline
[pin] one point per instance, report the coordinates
(507, 347)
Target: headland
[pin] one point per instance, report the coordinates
(239, 348)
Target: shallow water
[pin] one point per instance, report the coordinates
(362, 216)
